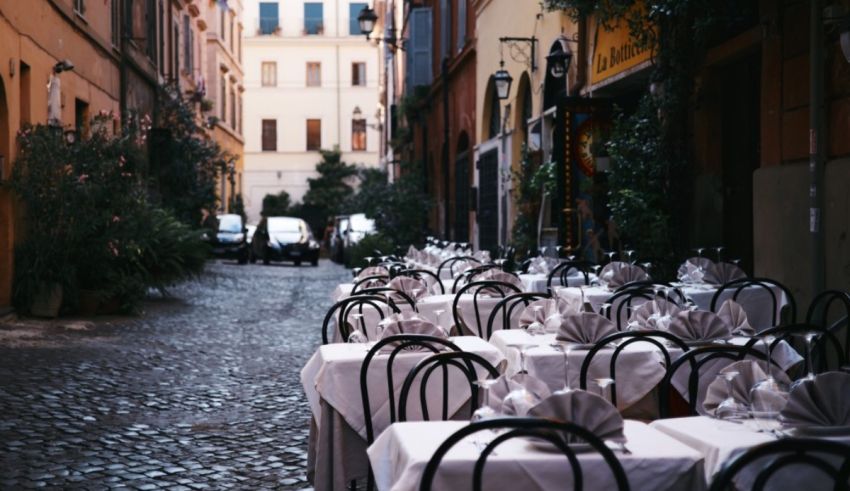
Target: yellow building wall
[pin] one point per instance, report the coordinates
(40, 33)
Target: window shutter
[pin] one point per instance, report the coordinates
(461, 24)
(419, 60)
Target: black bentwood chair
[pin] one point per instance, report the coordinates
(370, 282)
(558, 434)
(697, 359)
(789, 312)
(818, 314)
(559, 276)
(427, 277)
(394, 295)
(827, 458)
(347, 306)
(479, 289)
(618, 305)
(469, 275)
(508, 307)
(464, 361)
(622, 340)
(451, 262)
(817, 356)
(392, 346)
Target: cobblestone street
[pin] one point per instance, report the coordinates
(202, 391)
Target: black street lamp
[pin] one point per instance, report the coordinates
(502, 79)
(367, 19)
(559, 63)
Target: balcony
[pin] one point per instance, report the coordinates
(313, 27)
(269, 26)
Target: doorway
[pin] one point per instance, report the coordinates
(740, 154)
(461, 229)
(488, 200)
(6, 239)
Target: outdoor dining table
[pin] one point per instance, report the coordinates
(640, 366)
(331, 382)
(718, 441)
(536, 282)
(657, 461)
(754, 299)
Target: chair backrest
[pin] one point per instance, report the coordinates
(469, 275)
(561, 272)
(630, 337)
(477, 289)
(394, 295)
(696, 359)
(463, 361)
(818, 314)
(818, 360)
(555, 433)
(508, 305)
(450, 264)
(620, 302)
(370, 281)
(674, 294)
(830, 457)
(346, 306)
(429, 277)
(392, 346)
(766, 284)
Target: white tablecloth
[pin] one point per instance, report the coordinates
(755, 301)
(331, 382)
(719, 441)
(536, 282)
(657, 462)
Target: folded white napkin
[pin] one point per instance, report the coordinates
(504, 385)
(550, 313)
(483, 256)
(373, 271)
(750, 372)
(657, 314)
(414, 288)
(584, 409)
(735, 316)
(498, 275)
(824, 401)
(722, 273)
(699, 325)
(409, 323)
(617, 273)
(584, 328)
(694, 269)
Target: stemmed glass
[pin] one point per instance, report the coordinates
(565, 350)
(719, 250)
(368, 260)
(769, 396)
(596, 269)
(647, 267)
(629, 255)
(484, 411)
(810, 369)
(610, 255)
(603, 383)
(729, 408)
(536, 328)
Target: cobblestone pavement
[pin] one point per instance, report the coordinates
(202, 391)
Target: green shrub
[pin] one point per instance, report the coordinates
(370, 246)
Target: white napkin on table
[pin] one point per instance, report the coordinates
(616, 274)
(699, 325)
(824, 401)
(414, 288)
(582, 408)
(656, 314)
(735, 316)
(722, 273)
(694, 269)
(550, 315)
(750, 372)
(584, 328)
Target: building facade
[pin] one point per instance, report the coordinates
(311, 84)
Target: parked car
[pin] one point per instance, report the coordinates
(228, 240)
(349, 230)
(284, 239)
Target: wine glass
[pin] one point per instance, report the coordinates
(484, 411)
(519, 401)
(368, 260)
(565, 350)
(610, 255)
(769, 396)
(647, 267)
(439, 314)
(730, 408)
(629, 254)
(536, 328)
(719, 252)
(356, 336)
(603, 383)
(810, 372)
(596, 269)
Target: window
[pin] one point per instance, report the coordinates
(269, 135)
(223, 28)
(239, 116)
(420, 48)
(150, 33)
(175, 50)
(358, 74)
(269, 74)
(115, 18)
(313, 18)
(358, 135)
(353, 11)
(232, 34)
(187, 44)
(314, 74)
(80, 7)
(81, 117)
(461, 24)
(269, 21)
(445, 26)
(223, 100)
(233, 108)
(314, 134)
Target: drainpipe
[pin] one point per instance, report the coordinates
(816, 144)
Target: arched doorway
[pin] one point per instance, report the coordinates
(6, 238)
(492, 113)
(461, 229)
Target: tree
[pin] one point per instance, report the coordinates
(275, 205)
(329, 192)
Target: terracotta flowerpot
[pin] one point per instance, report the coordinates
(89, 302)
(47, 301)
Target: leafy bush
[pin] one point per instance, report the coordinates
(329, 191)
(275, 205)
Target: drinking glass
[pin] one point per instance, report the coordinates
(536, 328)
(719, 251)
(610, 255)
(519, 401)
(484, 411)
(810, 372)
(603, 384)
(565, 350)
(368, 260)
(730, 408)
(629, 255)
(769, 396)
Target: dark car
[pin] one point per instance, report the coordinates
(228, 238)
(284, 239)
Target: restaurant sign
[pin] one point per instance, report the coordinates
(615, 52)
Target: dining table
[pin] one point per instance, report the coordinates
(652, 460)
(719, 441)
(331, 383)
